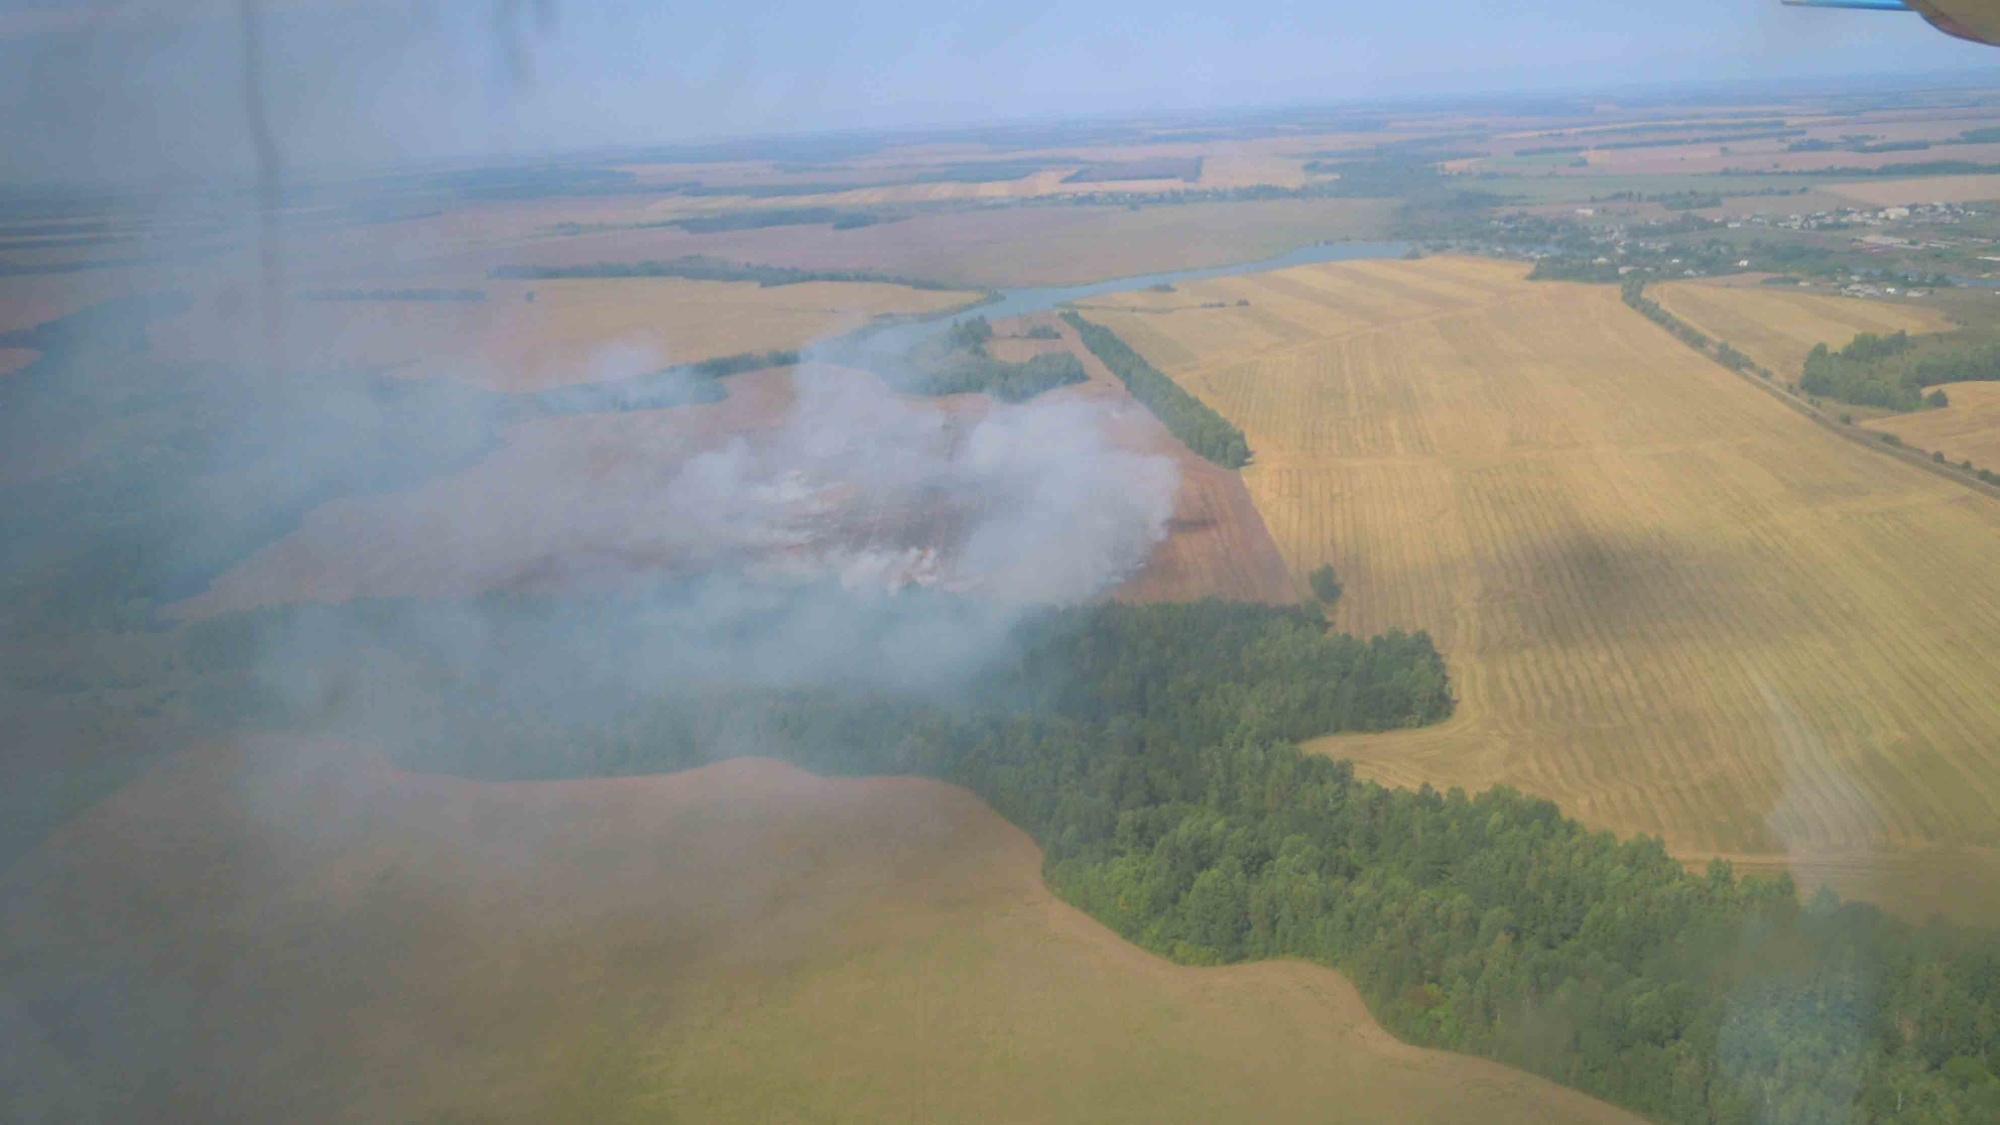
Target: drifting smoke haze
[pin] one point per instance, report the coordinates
(1026, 504)
(852, 540)
(867, 541)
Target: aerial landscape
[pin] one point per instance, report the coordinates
(675, 580)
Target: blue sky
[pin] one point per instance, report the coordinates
(155, 88)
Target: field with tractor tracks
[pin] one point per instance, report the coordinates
(1668, 602)
(1777, 327)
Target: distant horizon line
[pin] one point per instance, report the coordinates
(709, 148)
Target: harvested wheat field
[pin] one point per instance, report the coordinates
(1777, 327)
(1668, 602)
(571, 331)
(1967, 430)
(743, 942)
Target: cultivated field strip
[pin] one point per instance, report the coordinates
(1668, 602)
(1777, 327)
(1967, 430)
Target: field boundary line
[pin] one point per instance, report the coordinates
(1861, 436)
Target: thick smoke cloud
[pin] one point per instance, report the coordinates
(1028, 503)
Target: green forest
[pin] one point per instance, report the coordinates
(1894, 371)
(959, 363)
(1150, 750)
(967, 372)
(1187, 417)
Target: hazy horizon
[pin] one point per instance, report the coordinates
(139, 91)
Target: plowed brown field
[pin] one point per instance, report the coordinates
(1668, 602)
(287, 933)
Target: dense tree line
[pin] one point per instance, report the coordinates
(1881, 171)
(1150, 752)
(840, 218)
(970, 371)
(959, 363)
(1634, 294)
(698, 268)
(1187, 417)
(1576, 269)
(1894, 371)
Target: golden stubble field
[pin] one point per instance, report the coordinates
(1966, 430)
(1778, 326)
(1668, 602)
(272, 931)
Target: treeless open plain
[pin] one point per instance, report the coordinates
(1047, 244)
(280, 932)
(1966, 430)
(572, 331)
(1777, 327)
(1667, 602)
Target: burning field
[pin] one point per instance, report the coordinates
(798, 475)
